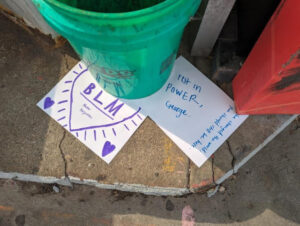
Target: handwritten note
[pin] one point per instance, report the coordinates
(99, 120)
(196, 114)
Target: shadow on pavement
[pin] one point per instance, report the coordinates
(30, 66)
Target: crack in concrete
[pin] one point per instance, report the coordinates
(66, 62)
(188, 174)
(233, 157)
(297, 123)
(212, 169)
(64, 159)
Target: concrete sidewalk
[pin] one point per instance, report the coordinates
(264, 192)
(33, 147)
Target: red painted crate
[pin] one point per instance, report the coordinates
(269, 81)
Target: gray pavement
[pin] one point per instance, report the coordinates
(264, 192)
(34, 147)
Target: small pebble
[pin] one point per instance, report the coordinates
(233, 177)
(222, 189)
(56, 189)
(91, 165)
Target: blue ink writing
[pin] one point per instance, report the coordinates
(230, 109)
(215, 138)
(221, 131)
(86, 107)
(196, 143)
(193, 98)
(97, 98)
(111, 107)
(215, 131)
(206, 147)
(134, 122)
(183, 79)
(210, 129)
(203, 135)
(85, 113)
(235, 116)
(184, 97)
(126, 127)
(218, 120)
(197, 88)
(89, 89)
(181, 93)
(62, 102)
(139, 117)
(178, 110)
(62, 118)
(96, 106)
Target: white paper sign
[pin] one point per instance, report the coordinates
(99, 120)
(196, 114)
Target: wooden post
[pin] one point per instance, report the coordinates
(215, 16)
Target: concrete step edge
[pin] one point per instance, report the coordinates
(137, 188)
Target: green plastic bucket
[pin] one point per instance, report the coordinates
(130, 53)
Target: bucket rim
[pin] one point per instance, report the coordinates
(123, 15)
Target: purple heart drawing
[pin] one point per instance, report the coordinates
(108, 148)
(48, 103)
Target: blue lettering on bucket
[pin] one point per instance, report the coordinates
(167, 62)
(117, 73)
